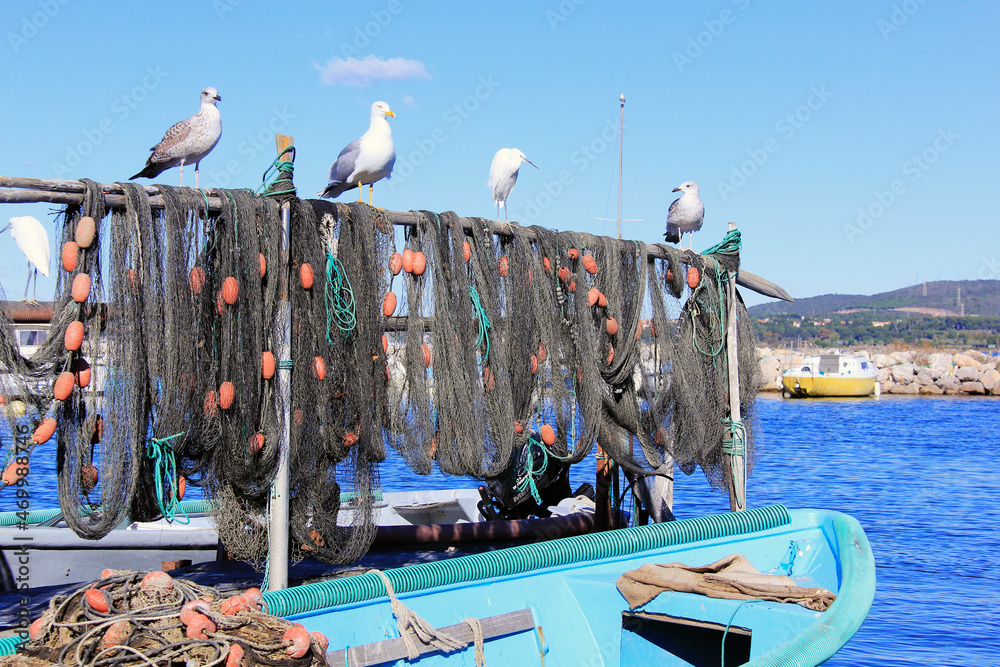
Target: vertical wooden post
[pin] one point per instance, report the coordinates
(278, 520)
(738, 477)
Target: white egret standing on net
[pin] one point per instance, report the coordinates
(503, 176)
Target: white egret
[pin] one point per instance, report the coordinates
(365, 160)
(33, 241)
(187, 141)
(503, 176)
(686, 213)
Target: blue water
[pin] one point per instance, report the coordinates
(920, 475)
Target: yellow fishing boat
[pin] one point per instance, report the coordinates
(830, 375)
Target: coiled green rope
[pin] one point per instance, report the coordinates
(484, 325)
(339, 297)
(282, 170)
(165, 469)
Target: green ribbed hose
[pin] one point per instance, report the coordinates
(524, 558)
(8, 645)
(41, 516)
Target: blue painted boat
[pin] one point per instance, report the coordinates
(556, 602)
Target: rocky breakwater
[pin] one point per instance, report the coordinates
(906, 372)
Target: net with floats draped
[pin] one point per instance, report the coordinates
(450, 343)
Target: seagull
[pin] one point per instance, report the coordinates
(686, 214)
(503, 176)
(33, 241)
(367, 159)
(187, 141)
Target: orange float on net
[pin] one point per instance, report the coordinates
(81, 369)
(181, 487)
(389, 304)
(235, 656)
(593, 296)
(36, 627)
(547, 264)
(572, 286)
(117, 634)
(267, 365)
(230, 290)
(98, 600)
(670, 275)
(227, 393)
(518, 428)
(44, 431)
(74, 336)
(306, 276)
(319, 368)
(427, 354)
(564, 274)
(14, 473)
(196, 279)
(466, 251)
(81, 287)
(548, 434)
(63, 387)
(256, 443)
(296, 638)
(320, 640)
(419, 263)
(407, 260)
(573, 253)
(503, 266)
(611, 355)
(262, 264)
(385, 343)
(89, 476)
(602, 301)
(70, 251)
(211, 403)
(395, 263)
(350, 439)
(489, 382)
(693, 278)
(543, 352)
(534, 364)
(156, 583)
(612, 326)
(86, 229)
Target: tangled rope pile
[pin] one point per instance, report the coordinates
(149, 618)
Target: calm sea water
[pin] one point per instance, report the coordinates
(919, 473)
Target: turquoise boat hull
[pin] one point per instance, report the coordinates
(577, 615)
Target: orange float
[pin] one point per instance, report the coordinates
(489, 382)
(73, 338)
(196, 278)
(319, 368)
(262, 264)
(44, 431)
(267, 365)
(548, 435)
(81, 287)
(593, 296)
(547, 264)
(211, 404)
(86, 229)
(574, 253)
(395, 263)
(693, 277)
(419, 263)
(427, 354)
(227, 392)
(89, 476)
(389, 304)
(466, 251)
(534, 364)
(63, 387)
(14, 473)
(407, 260)
(81, 369)
(385, 343)
(564, 274)
(503, 266)
(602, 301)
(98, 600)
(612, 326)
(306, 276)
(230, 290)
(256, 443)
(70, 252)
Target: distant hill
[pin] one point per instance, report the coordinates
(943, 297)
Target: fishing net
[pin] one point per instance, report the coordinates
(468, 342)
(149, 618)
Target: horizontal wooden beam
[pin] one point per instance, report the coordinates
(15, 189)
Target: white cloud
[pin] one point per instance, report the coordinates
(408, 101)
(354, 72)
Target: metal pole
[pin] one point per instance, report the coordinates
(277, 556)
(621, 153)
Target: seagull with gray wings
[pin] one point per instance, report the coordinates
(187, 141)
(367, 159)
(686, 213)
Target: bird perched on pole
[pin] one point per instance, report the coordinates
(686, 213)
(367, 159)
(503, 176)
(187, 141)
(33, 241)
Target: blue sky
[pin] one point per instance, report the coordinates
(855, 144)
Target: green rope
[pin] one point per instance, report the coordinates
(730, 245)
(165, 469)
(339, 298)
(735, 443)
(532, 473)
(483, 321)
(282, 170)
(285, 365)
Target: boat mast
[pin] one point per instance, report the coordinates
(621, 152)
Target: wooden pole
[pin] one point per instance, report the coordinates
(278, 519)
(738, 478)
